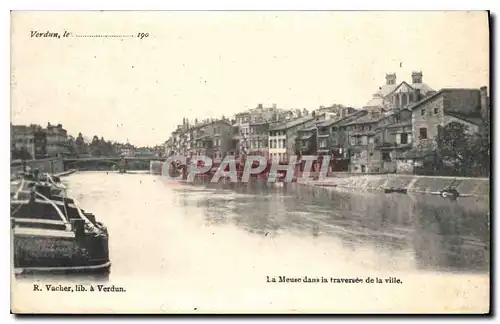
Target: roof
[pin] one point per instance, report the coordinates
(342, 121)
(308, 129)
(402, 124)
(367, 119)
(376, 101)
(473, 119)
(386, 89)
(292, 123)
(437, 94)
(225, 121)
(424, 88)
(259, 123)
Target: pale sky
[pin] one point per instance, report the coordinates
(209, 64)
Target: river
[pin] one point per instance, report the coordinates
(206, 249)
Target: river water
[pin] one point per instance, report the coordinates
(190, 248)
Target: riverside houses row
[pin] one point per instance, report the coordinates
(386, 135)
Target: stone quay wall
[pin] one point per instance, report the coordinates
(478, 187)
(44, 165)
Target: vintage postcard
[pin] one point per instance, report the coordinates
(250, 162)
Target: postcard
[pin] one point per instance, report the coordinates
(250, 162)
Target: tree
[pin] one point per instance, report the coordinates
(454, 147)
(80, 145)
(72, 146)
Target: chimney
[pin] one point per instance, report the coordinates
(417, 95)
(416, 77)
(485, 105)
(259, 106)
(390, 78)
(274, 106)
(343, 112)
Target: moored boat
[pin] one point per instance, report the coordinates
(51, 233)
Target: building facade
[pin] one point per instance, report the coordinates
(373, 142)
(57, 140)
(393, 95)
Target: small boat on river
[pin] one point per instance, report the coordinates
(51, 233)
(396, 190)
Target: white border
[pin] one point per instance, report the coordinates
(186, 5)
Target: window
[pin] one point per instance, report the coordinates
(386, 156)
(423, 133)
(422, 112)
(404, 138)
(436, 111)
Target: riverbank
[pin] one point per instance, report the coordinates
(474, 187)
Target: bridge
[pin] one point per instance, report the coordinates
(113, 158)
(57, 165)
(105, 162)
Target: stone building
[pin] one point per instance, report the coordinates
(465, 106)
(57, 140)
(369, 134)
(447, 105)
(393, 95)
(250, 128)
(212, 138)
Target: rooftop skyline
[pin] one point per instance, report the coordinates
(208, 64)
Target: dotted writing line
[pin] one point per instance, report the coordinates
(104, 36)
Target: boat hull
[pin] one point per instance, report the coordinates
(39, 250)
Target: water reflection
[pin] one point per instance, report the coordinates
(441, 234)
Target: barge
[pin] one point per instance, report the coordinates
(51, 233)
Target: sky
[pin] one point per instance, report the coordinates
(210, 64)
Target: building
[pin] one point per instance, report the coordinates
(393, 95)
(57, 140)
(368, 134)
(448, 105)
(307, 141)
(256, 142)
(284, 137)
(169, 147)
(212, 138)
(465, 106)
(251, 128)
(127, 150)
(32, 140)
(328, 131)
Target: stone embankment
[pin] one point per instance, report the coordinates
(50, 165)
(476, 187)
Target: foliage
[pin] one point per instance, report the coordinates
(461, 152)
